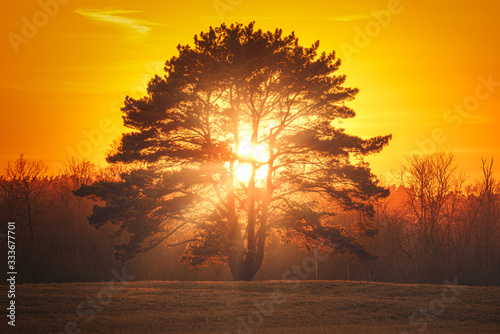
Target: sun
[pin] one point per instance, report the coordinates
(247, 153)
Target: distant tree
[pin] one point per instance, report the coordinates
(240, 137)
(394, 242)
(479, 234)
(23, 188)
(80, 171)
(434, 190)
(76, 173)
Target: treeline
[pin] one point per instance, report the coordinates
(432, 227)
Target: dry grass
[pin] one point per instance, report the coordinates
(215, 307)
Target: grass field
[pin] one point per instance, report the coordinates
(254, 307)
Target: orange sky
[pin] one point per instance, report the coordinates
(422, 68)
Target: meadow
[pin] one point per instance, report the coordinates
(255, 307)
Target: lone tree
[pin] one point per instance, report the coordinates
(238, 139)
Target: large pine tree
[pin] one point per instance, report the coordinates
(240, 138)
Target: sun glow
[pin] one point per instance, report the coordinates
(247, 154)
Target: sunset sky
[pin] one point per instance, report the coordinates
(428, 71)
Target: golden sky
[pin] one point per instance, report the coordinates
(428, 71)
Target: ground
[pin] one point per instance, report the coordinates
(254, 307)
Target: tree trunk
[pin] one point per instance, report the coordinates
(30, 221)
(235, 252)
(241, 269)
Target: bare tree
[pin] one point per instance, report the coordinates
(23, 188)
(481, 226)
(394, 241)
(80, 171)
(433, 188)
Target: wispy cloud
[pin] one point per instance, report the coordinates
(117, 17)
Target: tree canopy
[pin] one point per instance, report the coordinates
(238, 139)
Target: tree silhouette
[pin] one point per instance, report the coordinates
(238, 139)
(23, 189)
(432, 186)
